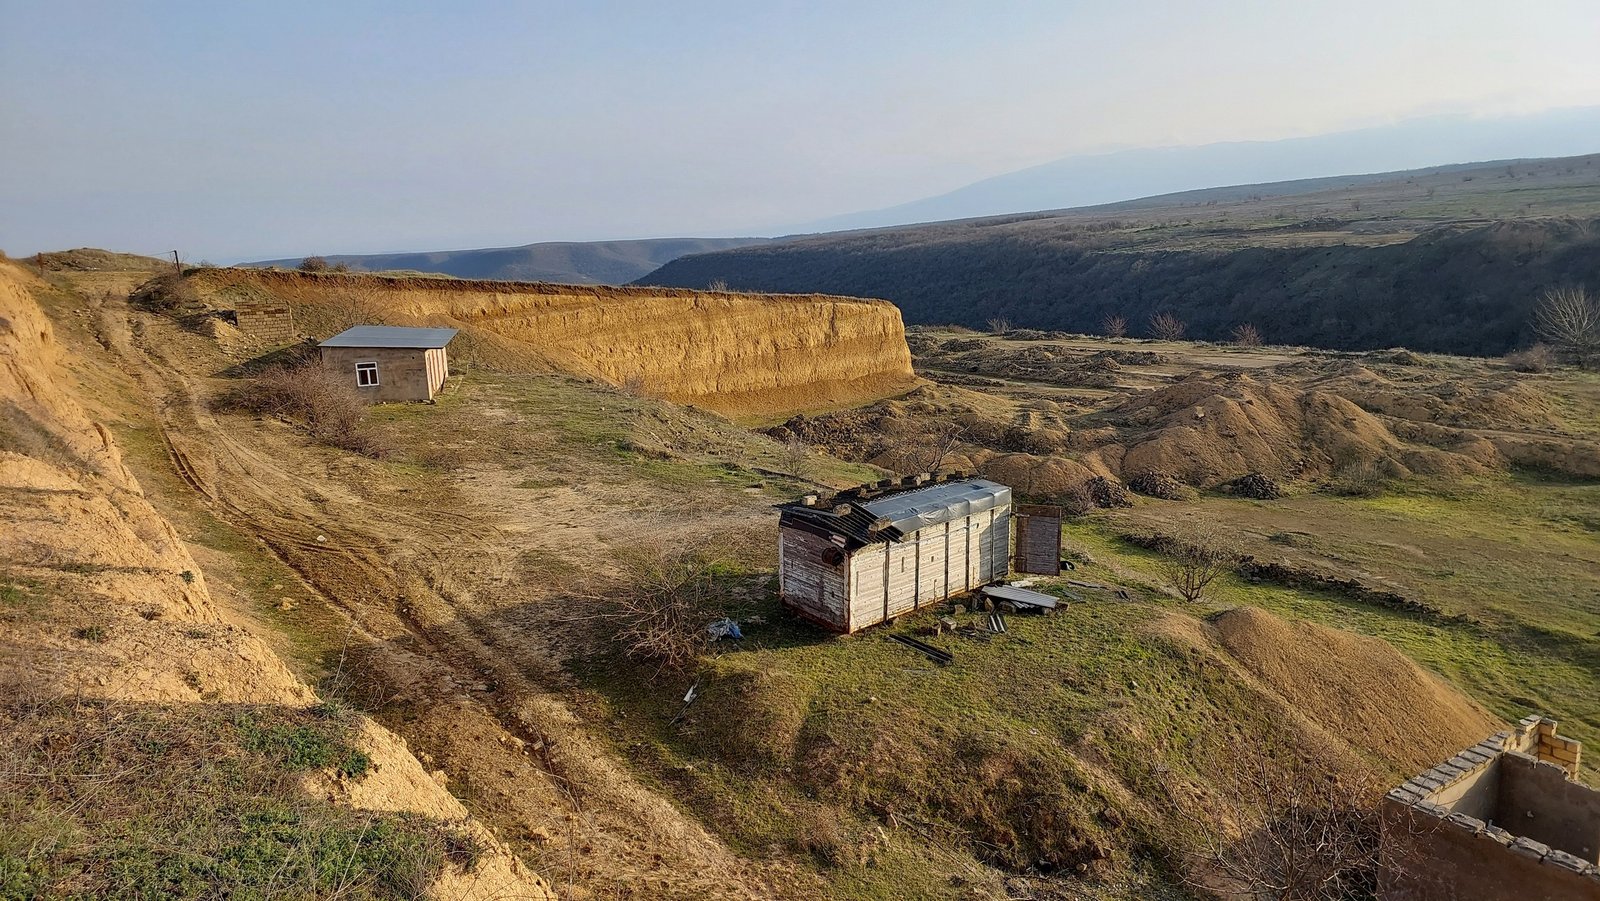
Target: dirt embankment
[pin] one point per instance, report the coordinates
(738, 354)
(103, 600)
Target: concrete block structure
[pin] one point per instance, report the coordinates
(267, 322)
(388, 363)
(1504, 820)
(878, 551)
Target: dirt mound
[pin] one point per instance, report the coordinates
(1359, 688)
(738, 354)
(1256, 486)
(1207, 430)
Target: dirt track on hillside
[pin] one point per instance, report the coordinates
(457, 651)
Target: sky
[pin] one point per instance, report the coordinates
(251, 130)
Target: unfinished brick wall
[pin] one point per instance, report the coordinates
(1501, 821)
(268, 322)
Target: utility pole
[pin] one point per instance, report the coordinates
(176, 266)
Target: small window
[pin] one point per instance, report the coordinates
(366, 375)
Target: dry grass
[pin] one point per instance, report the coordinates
(322, 400)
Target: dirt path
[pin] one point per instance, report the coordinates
(464, 673)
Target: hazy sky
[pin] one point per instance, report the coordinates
(247, 130)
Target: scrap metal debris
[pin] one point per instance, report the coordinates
(1020, 599)
(941, 657)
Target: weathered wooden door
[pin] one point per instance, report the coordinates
(1038, 550)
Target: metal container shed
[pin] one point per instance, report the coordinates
(877, 552)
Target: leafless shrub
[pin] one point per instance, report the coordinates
(931, 451)
(633, 384)
(657, 610)
(718, 286)
(1569, 319)
(1358, 478)
(1192, 559)
(323, 400)
(1537, 358)
(999, 325)
(1291, 835)
(1246, 335)
(1167, 326)
(314, 264)
(1115, 326)
(165, 294)
(797, 459)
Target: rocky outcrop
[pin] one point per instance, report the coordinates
(758, 355)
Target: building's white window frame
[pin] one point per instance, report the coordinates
(363, 371)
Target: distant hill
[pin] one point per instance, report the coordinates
(1085, 180)
(573, 263)
(1446, 259)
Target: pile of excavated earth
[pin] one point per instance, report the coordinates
(1178, 417)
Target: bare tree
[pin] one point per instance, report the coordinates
(1296, 835)
(1246, 335)
(797, 459)
(656, 610)
(314, 264)
(1114, 326)
(999, 325)
(1192, 559)
(941, 443)
(1167, 327)
(1569, 319)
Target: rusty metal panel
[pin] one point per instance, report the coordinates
(1038, 549)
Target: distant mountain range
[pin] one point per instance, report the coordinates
(565, 262)
(1079, 181)
(1448, 258)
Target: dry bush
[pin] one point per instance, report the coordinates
(1115, 326)
(1107, 493)
(656, 610)
(1537, 358)
(1246, 335)
(324, 401)
(1192, 559)
(1569, 319)
(1358, 478)
(797, 459)
(999, 325)
(1167, 327)
(314, 264)
(165, 294)
(1158, 483)
(1288, 836)
(718, 286)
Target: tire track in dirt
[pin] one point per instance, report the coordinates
(529, 765)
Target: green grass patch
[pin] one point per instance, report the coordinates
(142, 802)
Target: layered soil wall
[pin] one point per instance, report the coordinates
(737, 354)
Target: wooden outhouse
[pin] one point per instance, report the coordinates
(877, 552)
(390, 363)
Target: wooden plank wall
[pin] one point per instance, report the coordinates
(894, 578)
(807, 581)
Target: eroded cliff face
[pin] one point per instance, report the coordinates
(106, 604)
(755, 355)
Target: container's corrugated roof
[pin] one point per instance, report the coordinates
(391, 336)
(908, 511)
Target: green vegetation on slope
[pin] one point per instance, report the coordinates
(130, 801)
(1449, 263)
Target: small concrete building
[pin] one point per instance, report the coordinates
(389, 363)
(1504, 820)
(876, 552)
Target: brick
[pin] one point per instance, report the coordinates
(1566, 861)
(1527, 847)
(1566, 754)
(1402, 795)
(1496, 834)
(1470, 824)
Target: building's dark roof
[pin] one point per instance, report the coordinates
(894, 514)
(391, 336)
